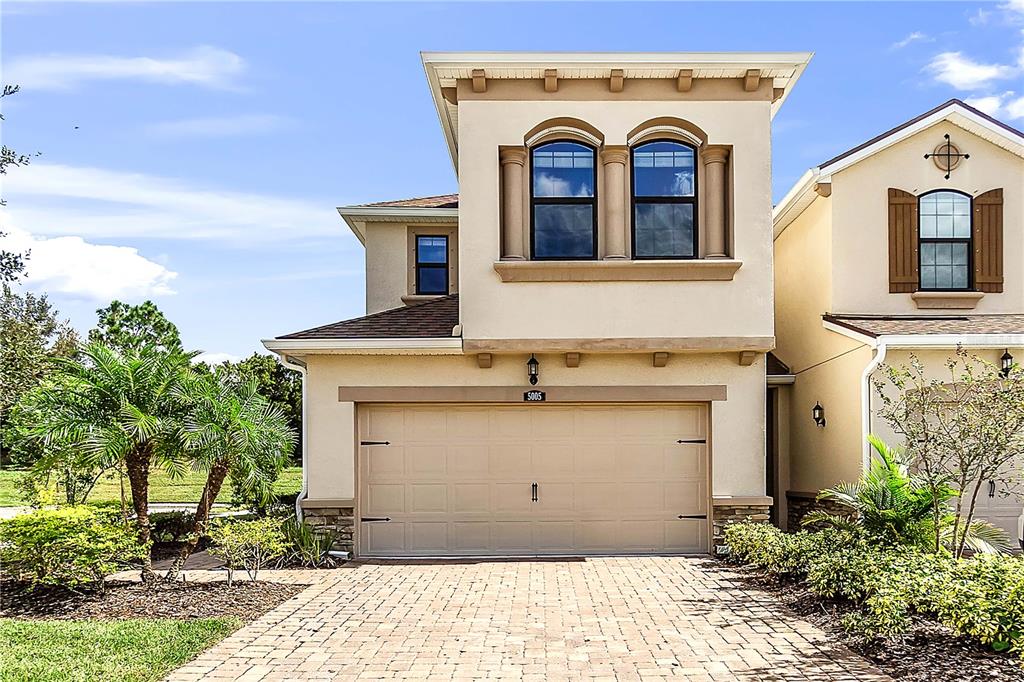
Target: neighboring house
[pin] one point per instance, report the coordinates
(912, 242)
(597, 383)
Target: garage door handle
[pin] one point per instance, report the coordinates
(375, 519)
(374, 442)
(692, 516)
(692, 440)
(533, 492)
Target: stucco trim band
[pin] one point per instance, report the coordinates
(618, 270)
(514, 394)
(703, 344)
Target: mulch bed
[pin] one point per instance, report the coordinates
(244, 600)
(927, 652)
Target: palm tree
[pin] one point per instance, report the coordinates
(116, 408)
(231, 430)
(892, 506)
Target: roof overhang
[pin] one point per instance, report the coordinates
(927, 341)
(387, 346)
(803, 193)
(356, 217)
(444, 69)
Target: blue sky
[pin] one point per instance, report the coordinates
(194, 153)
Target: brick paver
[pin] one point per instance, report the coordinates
(599, 619)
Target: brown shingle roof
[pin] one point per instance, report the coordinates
(877, 325)
(439, 201)
(775, 367)
(914, 120)
(433, 319)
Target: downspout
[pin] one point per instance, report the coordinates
(865, 400)
(300, 367)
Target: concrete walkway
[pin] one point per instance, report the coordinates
(607, 618)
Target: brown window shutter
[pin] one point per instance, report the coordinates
(903, 242)
(988, 241)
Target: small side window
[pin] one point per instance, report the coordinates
(431, 265)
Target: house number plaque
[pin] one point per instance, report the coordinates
(534, 396)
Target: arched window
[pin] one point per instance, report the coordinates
(944, 230)
(563, 199)
(664, 182)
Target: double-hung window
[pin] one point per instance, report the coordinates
(563, 201)
(944, 223)
(431, 265)
(664, 183)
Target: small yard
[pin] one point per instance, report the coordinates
(162, 488)
(134, 649)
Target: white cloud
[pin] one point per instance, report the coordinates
(219, 126)
(56, 199)
(215, 358)
(914, 37)
(1007, 105)
(71, 265)
(205, 66)
(964, 73)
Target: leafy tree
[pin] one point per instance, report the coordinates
(118, 409)
(125, 327)
(30, 334)
(12, 263)
(961, 431)
(231, 430)
(893, 507)
(274, 381)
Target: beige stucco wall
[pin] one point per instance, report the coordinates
(492, 309)
(390, 261)
(860, 217)
(737, 423)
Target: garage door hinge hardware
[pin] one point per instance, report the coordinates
(375, 519)
(692, 516)
(533, 492)
(375, 442)
(692, 440)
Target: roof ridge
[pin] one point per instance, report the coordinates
(408, 199)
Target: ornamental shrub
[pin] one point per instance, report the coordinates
(308, 544)
(249, 545)
(70, 546)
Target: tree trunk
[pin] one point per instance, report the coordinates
(214, 481)
(137, 466)
(967, 522)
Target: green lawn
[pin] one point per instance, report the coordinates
(87, 650)
(162, 488)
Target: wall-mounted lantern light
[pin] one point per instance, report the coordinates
(1006, 363)
(818, 414)
(533, 369)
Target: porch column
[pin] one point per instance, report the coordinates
(714, 158)
(513, 160)
(613, 159)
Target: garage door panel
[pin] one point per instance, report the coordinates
(457, 479)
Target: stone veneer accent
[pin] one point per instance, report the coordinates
(800, 504)
(724, 513)
(338, 520)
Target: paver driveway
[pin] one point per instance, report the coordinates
(607, 618)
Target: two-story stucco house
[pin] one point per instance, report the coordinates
(912, 242)
(569, 356)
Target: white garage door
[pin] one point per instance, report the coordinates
(463, 480)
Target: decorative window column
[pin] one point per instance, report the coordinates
(513, 162)
(715, 159)
(613, 159)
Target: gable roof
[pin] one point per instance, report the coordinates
(437, 201)
(434, 319)
(444, 69)
(955, 111)
(441, 208)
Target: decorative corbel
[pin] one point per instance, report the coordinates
(823, 189)
(747, 357)
(684, 81)
(450, 95)
(484, 360)
(752, 80)
(615, 82)
(550, 80)
(660, 359)
(479, 80)
(572, 359)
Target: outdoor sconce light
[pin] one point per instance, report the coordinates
(818, 413)
(532, 369)
(1006, 363)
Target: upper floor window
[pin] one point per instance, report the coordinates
(664, 200)
(945, 241)
(431, 265)
(563, 201)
